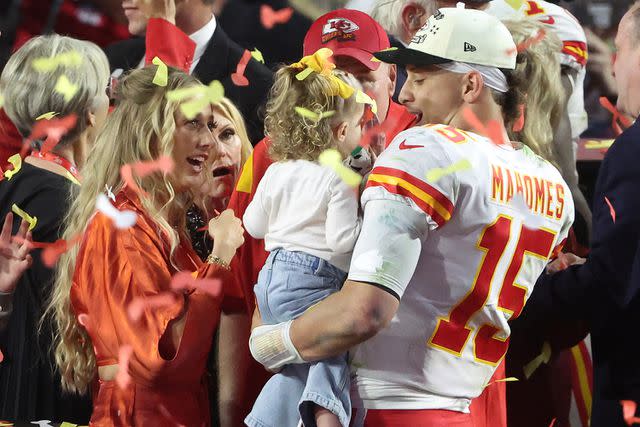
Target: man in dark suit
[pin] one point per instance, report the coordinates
(604, 291)
(215, 56)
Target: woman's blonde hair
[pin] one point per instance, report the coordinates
(538, 70)
(141, 128)
(231, 112)
(294, 137)
(29, 93)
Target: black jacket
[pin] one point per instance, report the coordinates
(604, 292)
(217, 63)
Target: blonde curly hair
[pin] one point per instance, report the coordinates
(294, 137)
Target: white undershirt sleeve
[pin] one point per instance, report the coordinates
(388, 249)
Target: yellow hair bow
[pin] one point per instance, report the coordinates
(319, 62)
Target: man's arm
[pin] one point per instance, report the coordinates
(382, 265)
(611, 275)
(343, 320)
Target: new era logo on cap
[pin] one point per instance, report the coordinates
(468, 47)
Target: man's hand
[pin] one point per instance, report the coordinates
(563, 261)
(14, 255)
(165, 9)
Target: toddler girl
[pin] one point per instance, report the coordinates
(308, 218)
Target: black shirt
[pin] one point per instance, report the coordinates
(29, 387)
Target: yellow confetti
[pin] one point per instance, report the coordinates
(363, 98)
(332, 158)
(257, 55)
(48, 116)
(435, 174)
(71, 178)
(162, 73)
(543, 357)
(66, 424)
(202, 95)
(16, 161)
(503, 380)
(313, 116)
(66, 88)
(598, 145)
(516, 4)
(304, 74)
(46, 64)
(25, 216)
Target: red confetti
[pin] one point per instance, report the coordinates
(629, 412)
(51, 250)
(83, 319)
(184, 280)
(270, 17)
(238, 78)
(519, 124)
(163, 164)
(526, 44)
(138, 305)
(1, 356)
(618, 118)
(53, 129)
(122, 377)
(493, 131)
(553, 422)
(611, 210)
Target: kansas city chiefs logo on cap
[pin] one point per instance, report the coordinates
(341, 29)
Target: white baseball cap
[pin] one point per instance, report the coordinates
(458, 34)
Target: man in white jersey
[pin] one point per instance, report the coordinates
(446, 255)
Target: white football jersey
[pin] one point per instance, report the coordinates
(480, 256)
(574, 46)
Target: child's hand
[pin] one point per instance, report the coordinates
(227, 234)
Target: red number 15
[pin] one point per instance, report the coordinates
(452, 333)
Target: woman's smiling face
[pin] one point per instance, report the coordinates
(194, 143)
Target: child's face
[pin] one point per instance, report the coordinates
(350, 132)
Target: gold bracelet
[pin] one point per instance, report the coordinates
(213, 259)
